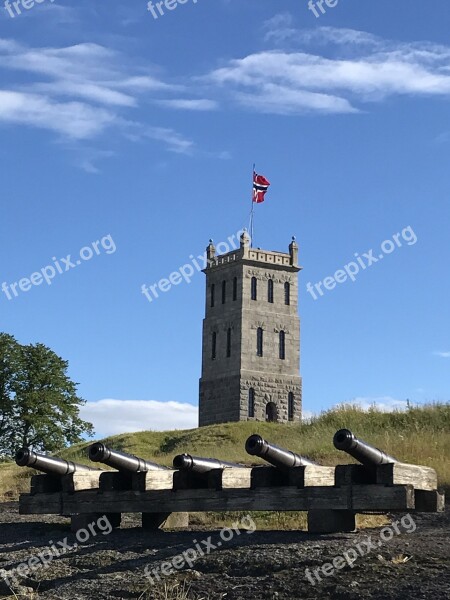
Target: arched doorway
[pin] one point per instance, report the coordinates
(271, 412)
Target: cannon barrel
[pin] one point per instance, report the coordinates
(47, 464)
(198, 464)
(121, 461)
(368, 455)
(276, 456)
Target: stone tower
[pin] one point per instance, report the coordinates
(251, 336)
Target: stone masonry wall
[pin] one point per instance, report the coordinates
(226, 380)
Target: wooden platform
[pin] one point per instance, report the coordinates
(332, 495)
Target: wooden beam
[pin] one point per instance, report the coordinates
(355, 498)
(287, 498)
(422, 478)
(80, 481)
(381, 497)
(41, 504)
(311, 475)
(115, 481)
(429, 501)
(354, 474)
(231, 478)
(267, 477)
(187, 480)
(153, 480)
(45, 484)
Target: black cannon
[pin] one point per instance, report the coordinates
(48, 464)
(126, 463)
(366, 454)
(276, 456)
(200, 465)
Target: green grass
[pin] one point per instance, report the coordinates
(418, 435)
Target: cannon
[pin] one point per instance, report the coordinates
(199, 465)
(366, 454)
(48, 464)
(126, 463)
(276, 456)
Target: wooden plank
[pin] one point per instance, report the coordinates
(284, 498)
(267, 477)
(41, 504)
(308, 476)
(422, 478)
(231, 478)
(357, 498)
(79, 481)
(426, 501)
(153, 480)
(311, 475)
(115, 481)
(382, 497)
(186, 480)
(354, 474)
(45, 484)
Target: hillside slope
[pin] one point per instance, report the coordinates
(419, 435)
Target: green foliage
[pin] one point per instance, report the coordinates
(39, 406)
(9, 359)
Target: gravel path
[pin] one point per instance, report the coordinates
(261, 565)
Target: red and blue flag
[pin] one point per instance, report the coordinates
(260, 187)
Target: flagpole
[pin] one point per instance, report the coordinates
(252, 214)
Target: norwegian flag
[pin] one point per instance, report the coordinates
(260, 187)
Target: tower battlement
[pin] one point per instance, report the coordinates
(256, 255)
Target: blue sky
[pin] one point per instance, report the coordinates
(140, 133)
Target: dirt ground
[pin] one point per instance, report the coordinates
(261, 565)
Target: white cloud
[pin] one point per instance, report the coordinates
(307, 415)
(279, 28)
(174, 141)
(362, 68)
(53, 14)
(80, 92)
(189, 104)
(86, 158)
(442, 354)
(366, 403)
(88, 91)
(336, 35)
(145, 83)
(284, 100)
(111, 417)
(73, 119)
(381, 403)
(102, 86)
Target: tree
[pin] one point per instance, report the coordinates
(9, 368)
(39, 406)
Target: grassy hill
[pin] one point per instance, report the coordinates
(419, 435)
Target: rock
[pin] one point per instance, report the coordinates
(5, 590)
(194, 574)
